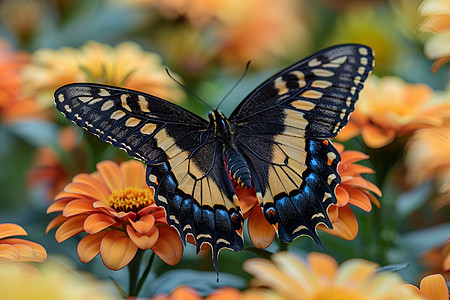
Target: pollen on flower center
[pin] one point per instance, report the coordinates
(131, 199)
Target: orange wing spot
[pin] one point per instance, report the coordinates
(271, 213)
(325, 142)
(329, 161)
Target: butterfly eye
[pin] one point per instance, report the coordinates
(270, 213)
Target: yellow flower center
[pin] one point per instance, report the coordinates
(131, 199)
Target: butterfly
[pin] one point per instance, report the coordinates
(275, 141)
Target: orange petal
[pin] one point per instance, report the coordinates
(247, 198)
(434, 287)
(168, 246)
(111, 174)
(28, 250)
(351, 156)
(58, 220)
(58, 206)
(143, 241)
(346, 227)
(322, 265)
(9, 229)
(117, 250)
(362, 183)
(66, 196)
(89, 246)
(97, 222)
(225, 293)
(82, 189)
(180, 293)
(342, 195)
(144, 224)
(133, 174)
(79, 206)
(69, 228)
(359, 198)
(260, 231)
(8, 252)
(95, 183)
(376, 137)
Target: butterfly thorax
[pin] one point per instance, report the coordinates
(224, 135)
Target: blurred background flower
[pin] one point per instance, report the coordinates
(126, 65)
(52, 281)
(437, 22)
(15, 249)
(320, 277)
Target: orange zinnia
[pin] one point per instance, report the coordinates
(189, 293)
(14, 249)
(389, 107)
(288, 276)
(116, 209)
(353, 190)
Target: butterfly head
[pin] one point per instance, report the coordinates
(221, 127)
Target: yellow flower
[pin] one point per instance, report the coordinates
(320, 277)
(126, 65)
(437, 21)
(389, 107)
(14, 249)
(432, 287)
(116, 209)
(353, 189)
(51, 282)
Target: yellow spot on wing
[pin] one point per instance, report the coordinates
(363, 51)
(148, 128)
(107, 105)
(143, 103)
(61, 97)
(303, 105)
(103, 93)
(323, 72)
(299, 228)
(280, 85)
(323, 84)
(124, 103)
(132, 122)
(363, 61)
(300, 76)
(312, 94)
(314, 62)
(117, 115)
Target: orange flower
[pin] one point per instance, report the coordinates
(437, 260)
(126, 65)
(320, 277)
(116, 209)
(14, 249)
(437, 22)
(188, 293)
(353, 190)
(257, 30)
(13, 105)
(389, 107)
(432, 287)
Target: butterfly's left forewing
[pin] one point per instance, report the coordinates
(282, 129)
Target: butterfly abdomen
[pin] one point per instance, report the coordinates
(237, 167)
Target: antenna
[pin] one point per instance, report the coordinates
(188, 90)
(235, 85)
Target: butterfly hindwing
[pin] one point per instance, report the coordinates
(282, 130)
(184, 165)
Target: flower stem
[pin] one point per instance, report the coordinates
(133, 272)
(145, 274)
